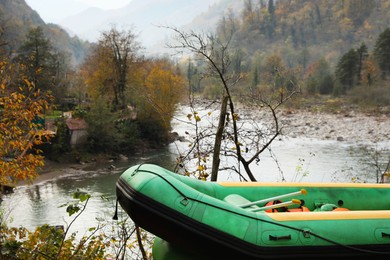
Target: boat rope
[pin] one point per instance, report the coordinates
(115, 217)
(305, 232)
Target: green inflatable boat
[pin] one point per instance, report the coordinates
(194, 219)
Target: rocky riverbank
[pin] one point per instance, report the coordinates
(342, 125)
(345, 126)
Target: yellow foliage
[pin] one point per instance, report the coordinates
(99, 74)
(236, 117)
(21, 132)
(367, 26)
(163, 89)
(370, 72)
(346, 25)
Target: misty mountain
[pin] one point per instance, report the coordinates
(145, 16)
(74, 34)
(17, 19)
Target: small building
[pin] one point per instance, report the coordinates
(78, 129)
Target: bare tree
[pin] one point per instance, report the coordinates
(121, 47)
(217, 55)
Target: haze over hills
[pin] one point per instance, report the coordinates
(55, 11)
(145, 16)
(17, 19)
(318, 28)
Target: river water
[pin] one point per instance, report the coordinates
(41, 202)
(300, 160)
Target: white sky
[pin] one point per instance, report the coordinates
(53, 11)
(105, 4)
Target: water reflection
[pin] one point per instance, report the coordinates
(40, 203)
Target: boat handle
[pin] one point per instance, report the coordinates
(385, 234)
(276, 238)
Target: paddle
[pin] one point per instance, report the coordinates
(302, 191)
(278, 205)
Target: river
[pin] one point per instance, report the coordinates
(41, 202)
(300, 160)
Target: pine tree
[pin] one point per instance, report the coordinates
(36, 54)
(362, 53)
(271, 22)
(346, 70)
(382, 52)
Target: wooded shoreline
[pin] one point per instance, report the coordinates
(356, 127)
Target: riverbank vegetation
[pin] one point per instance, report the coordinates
(128, 99)
(262, 58)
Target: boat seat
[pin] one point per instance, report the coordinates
(238, 200)
(330, 207)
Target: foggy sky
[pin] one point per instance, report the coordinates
(53, 11)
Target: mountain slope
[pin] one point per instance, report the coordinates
(17, 18)
(306, 30)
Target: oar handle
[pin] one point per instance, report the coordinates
(278, 205)
(302, 191)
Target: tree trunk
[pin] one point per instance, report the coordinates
(218, 139)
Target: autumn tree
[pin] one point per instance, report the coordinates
(163, 90)
(132, 98)
(110, 130)
(119, 49)
(271, 69)
(319, 78)
(370, 72)
(107, 73)
(96, 73)
(21, 129)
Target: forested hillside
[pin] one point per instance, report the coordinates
(304, 30)
(17, 19)
(326, 46)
